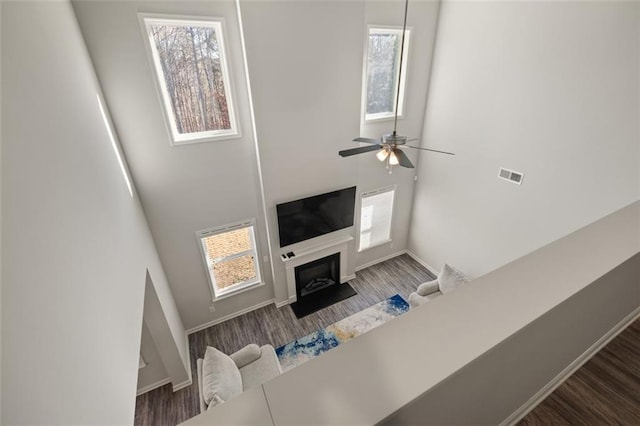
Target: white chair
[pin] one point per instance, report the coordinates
(448, 280)
(221, 377)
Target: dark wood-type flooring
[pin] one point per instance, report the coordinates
(604, 391)
(400, 275)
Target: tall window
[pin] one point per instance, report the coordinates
(376, 210)
(231, 257)
(192, 74)
(382, 70)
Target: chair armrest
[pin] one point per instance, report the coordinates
(268, 350)
(246, 355)
(416, 300)
(427, 288)
(203, 405)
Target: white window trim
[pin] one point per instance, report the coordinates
(240, 287)
(176, 138)
(385, 116)
(393, 208)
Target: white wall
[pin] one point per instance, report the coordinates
(422, 19)
(153, 372)
(159, 327)
(305, 64)
(0, 205)
(186, 188)
(76, 245)
(546, 88)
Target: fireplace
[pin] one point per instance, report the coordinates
(317, 275)
(321, 271)
(318, 285)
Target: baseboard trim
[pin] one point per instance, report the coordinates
(285, 302)
(153, 386)
(349, 278)
(379, 260)
(189, 380)
(543, 393)
(164, 382)
(430, 268)
(182, 385)
(230, 316)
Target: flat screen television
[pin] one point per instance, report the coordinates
(314, 216)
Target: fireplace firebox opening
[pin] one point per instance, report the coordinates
(318, 285)
(317, 275)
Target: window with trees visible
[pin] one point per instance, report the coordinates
(382, 70)
(231, 257)
(193, 78)
(376, 211)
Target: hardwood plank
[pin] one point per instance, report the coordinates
(604, 391)
(400, 275)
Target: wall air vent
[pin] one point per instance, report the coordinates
(510, 175)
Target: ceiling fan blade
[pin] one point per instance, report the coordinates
(403, 159)
(429, 149)
(354, 151)
(367, 140)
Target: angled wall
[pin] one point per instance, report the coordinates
(76, 246)
(153, 373)
(159, 327)
(185, 188)
(0, 204)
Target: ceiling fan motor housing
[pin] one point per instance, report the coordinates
(394, 139)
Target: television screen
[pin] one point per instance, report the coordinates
(314, 216)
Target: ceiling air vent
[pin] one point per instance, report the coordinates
(510, 175)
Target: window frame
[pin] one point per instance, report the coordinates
(218, 23)
(390, 188)
(386, 116)
(218, 294)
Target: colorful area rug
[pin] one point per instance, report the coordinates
(310, 346)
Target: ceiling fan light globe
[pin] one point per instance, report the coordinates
(382, 154)
(393, 159)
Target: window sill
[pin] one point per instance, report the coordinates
(238, 290)
(381, 243)
(381, 119)
(206, 138)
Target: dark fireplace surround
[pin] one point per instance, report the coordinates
(317, 275)
(318, 285)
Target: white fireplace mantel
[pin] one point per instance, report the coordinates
(311, 253)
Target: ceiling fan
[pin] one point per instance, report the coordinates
(388, 145)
